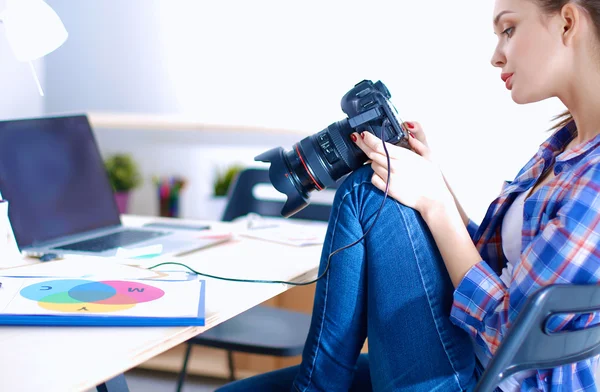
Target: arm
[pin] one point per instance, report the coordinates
(461, 211)
(417, 182)
(418, 143)
(564, 252)
(452, 239)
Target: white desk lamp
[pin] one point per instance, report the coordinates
(33, 30)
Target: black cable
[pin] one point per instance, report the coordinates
(385, 195)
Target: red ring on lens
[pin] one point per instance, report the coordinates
(306, 168)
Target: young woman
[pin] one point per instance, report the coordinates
(434, 293)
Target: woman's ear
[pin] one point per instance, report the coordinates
(570, 22)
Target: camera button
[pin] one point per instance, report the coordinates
(363, 93)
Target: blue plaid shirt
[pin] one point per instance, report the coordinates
(560, 244)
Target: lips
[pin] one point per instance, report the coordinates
(507, 79)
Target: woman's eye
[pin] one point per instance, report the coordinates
(509, 32)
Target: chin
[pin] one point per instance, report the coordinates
(518, 99)
(532, 94)
(522, 98)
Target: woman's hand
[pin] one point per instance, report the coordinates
(418, 140)
(415, 180)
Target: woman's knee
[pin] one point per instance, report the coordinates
(354, 187)
(364, 199)
(359, 176)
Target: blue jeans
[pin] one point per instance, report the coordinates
(393, 288)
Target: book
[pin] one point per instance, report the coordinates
(102, 301)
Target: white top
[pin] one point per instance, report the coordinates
(512, 227)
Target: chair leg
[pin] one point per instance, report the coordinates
(231, 365)
(116, 384)
(183, 372)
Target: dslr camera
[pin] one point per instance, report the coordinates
(320, 160)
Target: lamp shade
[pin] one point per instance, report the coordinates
(32, 28)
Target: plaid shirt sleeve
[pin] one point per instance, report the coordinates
(472, 228)
(565, 250)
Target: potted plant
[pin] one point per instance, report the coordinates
(223, 179)
(124, 175)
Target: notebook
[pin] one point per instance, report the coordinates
(68, 301)
(61, 201)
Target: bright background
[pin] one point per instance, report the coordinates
(281, 65)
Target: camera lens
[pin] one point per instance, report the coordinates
(285, 180)
(320, 160)
(315, 163)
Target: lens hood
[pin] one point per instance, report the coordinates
(284, 181)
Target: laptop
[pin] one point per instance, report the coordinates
(60, 198)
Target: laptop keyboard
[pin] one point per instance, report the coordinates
(111, 241)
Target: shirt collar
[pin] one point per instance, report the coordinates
(561, 138)
(558, 141)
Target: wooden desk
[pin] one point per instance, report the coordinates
(66, 359)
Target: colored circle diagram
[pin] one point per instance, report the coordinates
(79, 295)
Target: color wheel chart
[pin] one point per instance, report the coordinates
(80, 295)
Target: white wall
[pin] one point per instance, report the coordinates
(19, 97)
(282, 64)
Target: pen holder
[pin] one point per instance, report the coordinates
(169, 189)
(8, 244)
(169, 206)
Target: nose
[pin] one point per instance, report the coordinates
(498, 58)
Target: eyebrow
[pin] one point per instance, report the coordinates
(497, 18)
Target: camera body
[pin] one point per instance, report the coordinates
(320, 160)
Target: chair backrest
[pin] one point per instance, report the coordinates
(529, 345)
(241, 199)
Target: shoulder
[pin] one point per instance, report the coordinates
(580, 191)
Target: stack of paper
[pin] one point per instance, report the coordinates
(290, 234)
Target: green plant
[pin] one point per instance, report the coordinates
(224, 178)
(123, 172)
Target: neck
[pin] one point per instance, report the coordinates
(582, 99)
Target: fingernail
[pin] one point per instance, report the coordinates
(362, 135)
(410, 125)
(353, 137)
(411, 134)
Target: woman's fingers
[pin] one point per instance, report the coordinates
(418, 146)
(378, 182)
(418, 141)
(381, 160)
(381, 171)
(372, 145)
(416, 129)
(373, 148)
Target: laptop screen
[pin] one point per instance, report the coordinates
(53, 177)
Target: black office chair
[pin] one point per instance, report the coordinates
(263, 329)
(528, 345)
